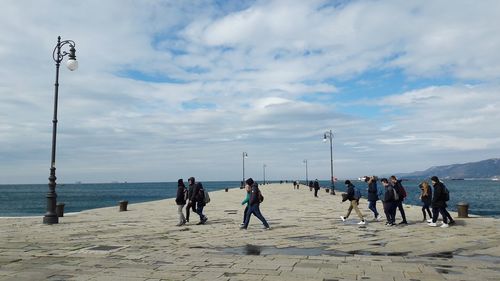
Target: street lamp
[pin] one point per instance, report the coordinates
(245, 155)
(51, 216)
(307, 178)
(329, 135)
(264, 170)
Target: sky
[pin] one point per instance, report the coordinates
(173, 89)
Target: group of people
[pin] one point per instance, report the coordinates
(393, 196)
(194, 196)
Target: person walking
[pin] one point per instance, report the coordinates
(389, 202)
(373, 196)
(426, 198)
(353, 196)
(198, 199)
(246, 201)
(439, 198)
(316, 187)
(255, 200)
(180, 200)
(402, 195)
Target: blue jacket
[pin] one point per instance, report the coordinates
(254, 195)
(372, 191)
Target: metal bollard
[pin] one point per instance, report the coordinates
(227, 189)
(463, 209)
(123, 205)
(60, 209)
(327, 190)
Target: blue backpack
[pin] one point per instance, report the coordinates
(357, 193)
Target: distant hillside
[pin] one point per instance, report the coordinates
(483, 169)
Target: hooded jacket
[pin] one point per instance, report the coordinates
(254, 195)
(438, 198)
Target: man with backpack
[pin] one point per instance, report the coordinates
(316, 187)
(439, 198)
(198, 199)
(353, 195)
(402, 195)
(254, 204)
(390, 198)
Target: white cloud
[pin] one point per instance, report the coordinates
(258, 77)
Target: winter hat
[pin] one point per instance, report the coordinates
(347, 182)
(249, 181)
(180, 182)
(435, 179)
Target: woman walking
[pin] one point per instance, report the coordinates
(181, 201)
(426, 198)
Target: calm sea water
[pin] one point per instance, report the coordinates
(29, 200)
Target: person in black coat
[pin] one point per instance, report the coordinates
(180, 200)
(316, 187)
(389, 202)
(198, 197)
(396, 184)
(354, 202)
(439, 203)
(373, 196)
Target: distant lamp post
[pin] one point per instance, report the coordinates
(264, 172)
(329, 135)
(51, 216)
(245, 155)
(307, 178)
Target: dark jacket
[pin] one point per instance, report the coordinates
(438, 198)
(372, 191)
(426, 199)
(399, 189)
(190, 191)
(254, 195)
(316, 185)
(180, 195)
(389, 194)
(198, 194)
(350, 192)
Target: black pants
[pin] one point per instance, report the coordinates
(390, 211)
(444, 213)
(401, 209)
(316, 192)
(425, 207)
(190, 205)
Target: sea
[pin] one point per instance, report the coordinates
(30, 199)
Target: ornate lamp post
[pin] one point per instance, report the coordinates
(329, 135)
(307, 178)
(51, 216)
(245, 155)
(264, 171)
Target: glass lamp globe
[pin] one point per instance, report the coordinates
(72, 64)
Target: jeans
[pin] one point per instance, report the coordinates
(354, 205)
(390, 211)
(199, 211)
(425, 207)
(245, 214)
(182, 219)
(256, 211)
(401, 209)
(372, 205)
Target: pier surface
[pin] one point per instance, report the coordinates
(307, 241)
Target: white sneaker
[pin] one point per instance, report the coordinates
(445, 225)
(379, 217)
(362, 222)
(432, 224)
(429, 220)
(342, 218)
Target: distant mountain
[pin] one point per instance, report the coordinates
(485, 169)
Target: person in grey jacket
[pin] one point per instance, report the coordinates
(254, 205)
(389, 202)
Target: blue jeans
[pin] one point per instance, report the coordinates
(256, 211)
(372, 205)
(199, 211)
